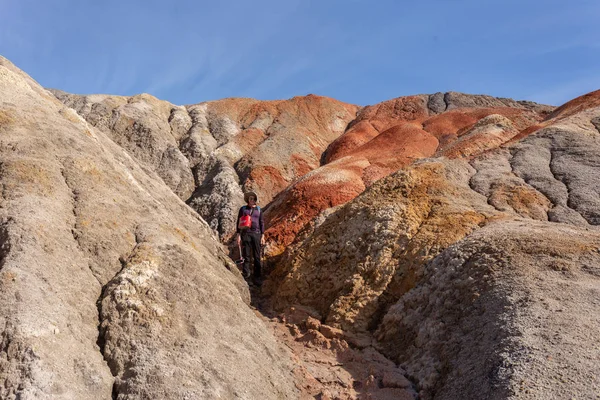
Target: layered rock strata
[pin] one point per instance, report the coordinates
(209, 153)
(447, 260)
(456, 234)
(390, 135)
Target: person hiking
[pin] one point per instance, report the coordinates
(250, 230)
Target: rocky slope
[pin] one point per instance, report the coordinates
(110, 286)
(390, 135)
(208, 153)
(457, 235)
(447, 260)
(509, 312)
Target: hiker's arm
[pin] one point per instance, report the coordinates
(237, 222)
(261, 222)
(237, 227)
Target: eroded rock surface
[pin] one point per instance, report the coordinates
(389, 136)
(404, 212)
(451, 261)
(110, 286)
(208, 153)
(509, 312)
(456, 235)
(331, 364)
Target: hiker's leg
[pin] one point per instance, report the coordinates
(256, 254)
(247, 253)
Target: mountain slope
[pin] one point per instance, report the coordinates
(456, 234)
(208, 153)
(107, 279)
(448, 259)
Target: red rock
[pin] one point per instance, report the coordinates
(577, 105)
(294, 208)
(282, 140)
(331, 332)
(355, 137)
(388, 113)
(312, 323)
(382, 139)
(375, 119)
(315, 338)
(344, 179)
(395, 380)
(268, 179)
(488, 133)
(457, 121)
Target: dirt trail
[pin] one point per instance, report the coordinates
(331, 364)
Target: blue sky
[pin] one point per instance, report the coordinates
(357, 51)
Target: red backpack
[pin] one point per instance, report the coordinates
(246, 220)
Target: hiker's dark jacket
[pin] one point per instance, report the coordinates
(258, 225)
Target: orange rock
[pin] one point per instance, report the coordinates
(458, 121)
(579, 104)
(331, 332)
(382, 139)
(355, 137)
(388, 113)
(294, 208)
(342, 180)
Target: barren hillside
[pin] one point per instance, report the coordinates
(441, 246)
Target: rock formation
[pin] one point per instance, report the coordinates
(508, 312)
(439, 246)
(207, 153)
(452, 262)
(110, 285)
(388, 136)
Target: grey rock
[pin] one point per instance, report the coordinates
(109, 284)
(459, 100)
(148, 128)
(506, 191)
(188, 146)
(436, 103)
(503, 312)
(565, 166)
(217, 198)
(180, 122)
(596, 122)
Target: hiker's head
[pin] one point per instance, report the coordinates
(250, 198)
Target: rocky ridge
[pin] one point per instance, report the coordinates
(208, 153)
(426, 298)
(390, 135)
(107, 278)
(432, 229)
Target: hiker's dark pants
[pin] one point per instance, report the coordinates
(251, 246)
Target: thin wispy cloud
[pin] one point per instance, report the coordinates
(356, 51)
